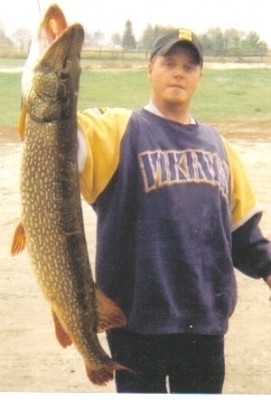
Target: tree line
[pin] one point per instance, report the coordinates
(216, 42)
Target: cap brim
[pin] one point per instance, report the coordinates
(164, 50)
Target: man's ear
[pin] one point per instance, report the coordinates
(149, 69)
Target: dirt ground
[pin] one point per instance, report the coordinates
(31, 359)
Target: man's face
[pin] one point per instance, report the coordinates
(174, 77)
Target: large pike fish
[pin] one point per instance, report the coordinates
(52, 222)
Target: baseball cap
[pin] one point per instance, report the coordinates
(164, 43)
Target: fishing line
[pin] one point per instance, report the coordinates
(39, 6)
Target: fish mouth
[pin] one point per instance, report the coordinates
(53, 45)
(66, 47)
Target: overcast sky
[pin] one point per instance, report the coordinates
(109, 16)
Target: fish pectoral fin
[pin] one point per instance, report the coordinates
(19, 240)
(60, 332)
(21, 121)
(109, 314)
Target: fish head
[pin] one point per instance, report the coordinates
(53, 60)
(55, 81)
(50, 27)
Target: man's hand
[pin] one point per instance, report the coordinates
(268, 280)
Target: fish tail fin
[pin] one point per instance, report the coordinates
(19, 240)
(105, 374)
(109, 314)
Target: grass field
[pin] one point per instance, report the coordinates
(224, 95)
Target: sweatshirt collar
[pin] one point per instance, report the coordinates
(153, 109)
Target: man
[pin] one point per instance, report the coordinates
(176, 213)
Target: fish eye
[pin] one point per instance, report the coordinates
(63, 74)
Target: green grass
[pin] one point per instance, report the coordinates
(234, 95)
(11, 62)
(127, 88)
(223, 94)
(10, 96)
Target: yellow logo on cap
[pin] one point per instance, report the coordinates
(185, 34)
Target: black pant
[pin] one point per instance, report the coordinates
(191, 363)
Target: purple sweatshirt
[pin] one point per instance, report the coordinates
(175, 215)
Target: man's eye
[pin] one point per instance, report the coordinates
(189, 67)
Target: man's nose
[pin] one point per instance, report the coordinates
(179, 71)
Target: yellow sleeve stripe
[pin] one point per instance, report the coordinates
(243, 198)
(103, 134)
(250, 214)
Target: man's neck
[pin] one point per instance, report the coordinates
(171, 114)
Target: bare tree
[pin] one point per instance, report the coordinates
(22, 38)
